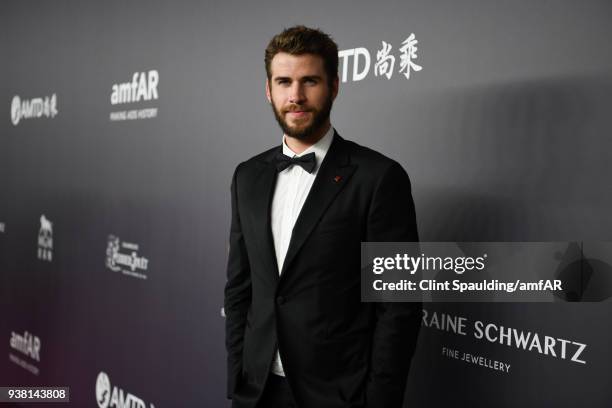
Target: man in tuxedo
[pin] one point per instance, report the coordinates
(297, 333)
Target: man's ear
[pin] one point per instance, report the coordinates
(268, 91)
(335, 87)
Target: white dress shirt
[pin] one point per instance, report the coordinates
(292, 187)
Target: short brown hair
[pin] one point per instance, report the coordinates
(299, 40)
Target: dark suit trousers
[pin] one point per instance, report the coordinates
(276, 394)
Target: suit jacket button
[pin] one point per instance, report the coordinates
(280, 300)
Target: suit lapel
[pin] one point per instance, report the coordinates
(263, 184)
(334, 173)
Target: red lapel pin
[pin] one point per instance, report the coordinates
(337, 179)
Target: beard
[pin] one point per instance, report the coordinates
(319, 117)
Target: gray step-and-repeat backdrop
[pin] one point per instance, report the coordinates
(121, 124)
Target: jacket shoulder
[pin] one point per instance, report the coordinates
(253, 161)
(376, 162)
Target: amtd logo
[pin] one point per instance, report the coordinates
(115, 397)
(33, 108)
(389, 60)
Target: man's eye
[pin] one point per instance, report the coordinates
(283, 82)
(310, 81)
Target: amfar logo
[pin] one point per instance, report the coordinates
(115, 397)
(385, 60)
(27, 344)
(33, 108)
(45, 239)
(143, 87)
(127, 263)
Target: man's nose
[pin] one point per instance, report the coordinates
(297, 93)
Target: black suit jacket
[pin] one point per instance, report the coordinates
(336, 351)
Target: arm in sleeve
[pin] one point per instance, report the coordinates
(392, 219)
(237, 295)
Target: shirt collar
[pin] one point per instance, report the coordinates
(320, 148)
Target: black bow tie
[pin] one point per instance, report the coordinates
(307, 162)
